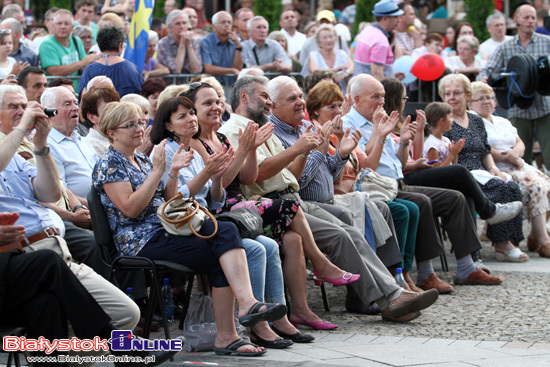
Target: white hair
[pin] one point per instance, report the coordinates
(14, 24)
(10, 88)
(355, 85)
(254, 71)
(173, 14)
(254, 19)
(49, 97)
(217, 15)
(276, 86)
(98, 79)
(153, 36)
(137, 99)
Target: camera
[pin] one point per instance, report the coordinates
(50, 112)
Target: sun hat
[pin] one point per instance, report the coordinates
(386, 8)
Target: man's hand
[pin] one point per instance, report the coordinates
(90, 58)
(82, 218)
(387, 124)
(185, 38)
(10, 233)
(263, 133)
(307, 141)
(35, 118)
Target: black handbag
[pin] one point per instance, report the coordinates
(248, 221)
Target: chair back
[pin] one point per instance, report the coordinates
(100, 225)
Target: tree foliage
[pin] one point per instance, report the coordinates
(271, 11)
(363, 13)
(477, 12)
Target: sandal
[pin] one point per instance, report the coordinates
(513, 255)
(274, 312)
(236, 344)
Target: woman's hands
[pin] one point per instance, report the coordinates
(180, 160)
(217, 163)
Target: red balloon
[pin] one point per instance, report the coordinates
(428, 67)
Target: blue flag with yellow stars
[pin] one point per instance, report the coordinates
(139, 33)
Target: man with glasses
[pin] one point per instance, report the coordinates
(221, 50)
(63, 55)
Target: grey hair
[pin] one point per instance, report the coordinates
(249, 71)
(276, 35)
(254, 19)
(14, 24)
(97, 79)
(80, 29)
(470, 40)
(246, 83)
(10, 88)
(137, 99)
(10, 10)
(495, 15)
(355, 85)
(217, 15)
(49, 97)
(153, 36)
(275, 86)
(173, 14)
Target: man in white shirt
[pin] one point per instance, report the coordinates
(289, 23)
(496, 24)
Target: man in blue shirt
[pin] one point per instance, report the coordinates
(221, 50)
(368, 96)
(21, 52)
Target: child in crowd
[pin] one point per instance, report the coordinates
(437, 148)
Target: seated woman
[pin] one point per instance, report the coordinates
(177, 122)
(335, 60)
(466, 61)
(131, 189)
(91, 107)
(284, 220)
(476, 156)
(507, 150)
(325, 102)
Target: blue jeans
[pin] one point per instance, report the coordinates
(264, 266)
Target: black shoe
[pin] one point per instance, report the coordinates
(355, 305)
(296, 338)
(278, 343)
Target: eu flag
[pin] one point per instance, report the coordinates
(139, 33)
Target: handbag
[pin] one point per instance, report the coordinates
(184, 216)
(248, 221)
(377, 186)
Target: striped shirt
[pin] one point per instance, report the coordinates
(539, 46)
(317, 180)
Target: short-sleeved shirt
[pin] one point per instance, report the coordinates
(441, 146)
(214, 52)
(130, 234)
(5, 71)
(75, 159)
(501, 135)
(125, 76)
(348, 15)
(475, 145)
(294, 42)
(254, 55)
(373, 47)
(167, 49)
(53, 53)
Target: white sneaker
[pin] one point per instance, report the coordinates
(504, 212)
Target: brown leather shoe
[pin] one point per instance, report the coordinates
(409, 302)
(408, 317)
(479, 277)
(410, 283)
(434, 282)
(544, 250)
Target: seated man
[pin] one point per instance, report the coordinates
(43, 308)
(74, 156)
(262, 52)
(179, 51)
(368, 96)
(344, 245)
(76, 216)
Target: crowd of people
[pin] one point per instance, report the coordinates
(291, 151)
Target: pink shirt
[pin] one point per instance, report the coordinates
(373, 47)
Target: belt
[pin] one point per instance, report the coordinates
(279, 194)
(48, 232)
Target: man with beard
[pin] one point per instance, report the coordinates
(343, 244)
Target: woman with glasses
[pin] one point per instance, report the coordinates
(131, 188)
(507, 150)
(284, 220)
(456, 90)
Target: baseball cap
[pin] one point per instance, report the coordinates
(326, 14)
(386, 8)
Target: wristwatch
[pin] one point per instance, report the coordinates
(44, 151)
(239, 49)
(80, 207)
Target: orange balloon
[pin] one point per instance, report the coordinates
(428, 67)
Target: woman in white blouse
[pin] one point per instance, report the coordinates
(466, 61)
(507, 150)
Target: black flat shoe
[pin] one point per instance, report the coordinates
(296, 338)
(278, 343)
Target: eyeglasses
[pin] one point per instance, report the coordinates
(483, 99)
(133, 125)
(454, 94)
(5, 31)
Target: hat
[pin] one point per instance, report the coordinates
(386, 8)
(326, 14)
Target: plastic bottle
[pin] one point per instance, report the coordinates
(129, 293)
(399, 277)
(168, 301)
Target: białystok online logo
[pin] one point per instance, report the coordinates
(121, 340)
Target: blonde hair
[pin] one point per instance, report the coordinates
(137, 99)
(114, 115)
(452, 78)
(171, 91)
(480, 87)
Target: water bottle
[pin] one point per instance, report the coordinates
(130, 294)
(168, 301)
(399, 277)
(358, 185)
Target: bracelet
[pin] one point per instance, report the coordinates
(381, 141)
(304, 156)
(172, 177)
(19, 129)
(404, 145)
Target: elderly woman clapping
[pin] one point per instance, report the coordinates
(466, 61)
(507, 150)
(131, 189)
